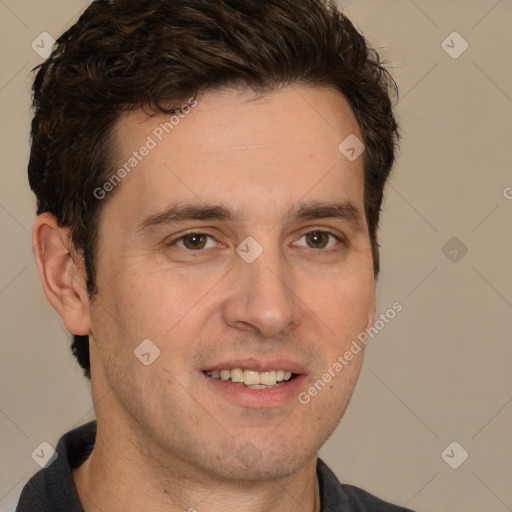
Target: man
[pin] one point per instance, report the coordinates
(209, 178)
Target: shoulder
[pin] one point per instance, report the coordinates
(52, 488)
(337, 497)
(361, 500)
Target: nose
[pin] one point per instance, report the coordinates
(262, 297)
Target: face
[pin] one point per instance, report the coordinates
(238, 246)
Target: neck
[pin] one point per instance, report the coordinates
(118, 477)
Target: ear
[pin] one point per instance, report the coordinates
(373, 304)
(62, 273)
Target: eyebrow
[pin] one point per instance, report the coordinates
(322, 210)
(176, 213)
(179, 213)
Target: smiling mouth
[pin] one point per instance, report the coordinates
(252, 379)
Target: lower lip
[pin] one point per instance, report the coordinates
(259, 398)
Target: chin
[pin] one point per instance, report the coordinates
(250, 463)
(261, 472)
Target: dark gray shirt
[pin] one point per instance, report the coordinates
(53, 490)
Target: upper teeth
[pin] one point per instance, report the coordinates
(250, 377)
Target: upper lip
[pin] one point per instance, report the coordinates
(258, 365)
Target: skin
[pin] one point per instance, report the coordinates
(168, 438)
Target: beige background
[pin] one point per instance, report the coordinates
(440, 371)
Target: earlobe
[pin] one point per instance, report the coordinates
(61, 272)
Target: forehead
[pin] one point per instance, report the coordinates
(233, 146)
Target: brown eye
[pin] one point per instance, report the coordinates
(317, 239)
(194, 241)
(320, 239)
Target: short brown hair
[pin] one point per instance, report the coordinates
(125, 55)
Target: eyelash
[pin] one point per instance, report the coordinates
(343, 241)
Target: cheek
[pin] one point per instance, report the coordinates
(148, 303)
(343, 303)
